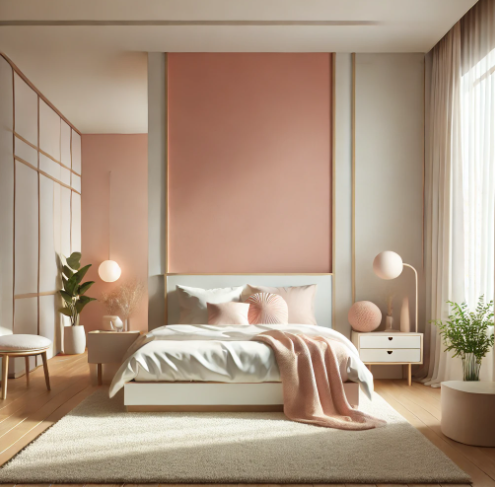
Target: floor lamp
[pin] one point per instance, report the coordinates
(388, 265)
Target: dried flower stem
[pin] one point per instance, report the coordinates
(124, 299)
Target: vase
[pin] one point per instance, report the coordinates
(470, 367)
(111, 322)
(74, 340)
(405, 322)
(389, 323)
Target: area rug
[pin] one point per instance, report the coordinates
(99, 442)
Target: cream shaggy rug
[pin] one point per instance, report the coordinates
(99, 442)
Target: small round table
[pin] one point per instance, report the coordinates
(468, 412)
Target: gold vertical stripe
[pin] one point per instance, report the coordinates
(333, 141)
(165, 278)
(424, 166)
(353, 170)
(13, 220)
(70, 145)
(70, 224)
(39, 221)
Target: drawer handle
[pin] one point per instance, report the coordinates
(390, 352)
(390, 338)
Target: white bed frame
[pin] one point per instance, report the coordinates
(212, 396)
(221, 396)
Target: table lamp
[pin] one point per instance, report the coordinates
(388, 265)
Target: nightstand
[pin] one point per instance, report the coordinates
(109, 347)
(390, 348)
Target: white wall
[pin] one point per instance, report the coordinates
(388, 181)
(157, 185)
(389, 165)
(342, 258)
(40, 165)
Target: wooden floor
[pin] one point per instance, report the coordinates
(27, 412)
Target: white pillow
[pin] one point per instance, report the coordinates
(192, 302)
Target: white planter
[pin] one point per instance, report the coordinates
(74, 340)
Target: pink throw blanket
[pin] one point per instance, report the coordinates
(312, 381)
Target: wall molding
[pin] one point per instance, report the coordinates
(34, 295)
(190, 23)
(40, 171)
(34, 146)
(249, 274)
(353, 172)
(44, 98)
(48, 214)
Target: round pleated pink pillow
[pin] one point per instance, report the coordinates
(364, 316)
(267, 309)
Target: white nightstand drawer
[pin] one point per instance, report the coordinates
(392, 341)
(404, 355)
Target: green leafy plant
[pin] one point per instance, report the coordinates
(74, 290)
(466, 332)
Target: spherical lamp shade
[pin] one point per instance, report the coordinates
(388, 265)
(109, 271)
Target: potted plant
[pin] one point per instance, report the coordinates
(73, 294)
(466, 332)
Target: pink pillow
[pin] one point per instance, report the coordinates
(300, 301)
(231, 313)
(267, 309)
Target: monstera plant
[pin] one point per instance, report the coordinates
(74, 290)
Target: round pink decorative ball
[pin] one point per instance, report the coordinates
(364, 316)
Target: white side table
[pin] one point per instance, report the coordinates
(390, 348)
(109, 347)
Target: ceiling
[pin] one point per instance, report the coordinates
(89, 57)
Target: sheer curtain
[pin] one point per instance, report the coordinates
(460, 177)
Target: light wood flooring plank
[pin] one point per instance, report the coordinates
(22, 438)
(480, 478)
(39, 415)
(479, 456)
(19, 411)
(17, 388)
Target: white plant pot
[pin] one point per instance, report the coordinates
(74, 340)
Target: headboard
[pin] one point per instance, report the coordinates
(323, 300)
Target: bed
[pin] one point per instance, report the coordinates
(210, 368)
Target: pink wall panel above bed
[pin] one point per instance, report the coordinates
(249, 163)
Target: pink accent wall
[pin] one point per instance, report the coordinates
(127, 157)
(249, 162)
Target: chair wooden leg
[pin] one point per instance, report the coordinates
(27, 369)
(45, 368)
(5, 374)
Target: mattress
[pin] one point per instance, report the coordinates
(207, 361)
(207, 353)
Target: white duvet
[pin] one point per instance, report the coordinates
(208, 353)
